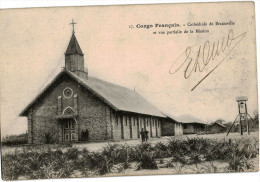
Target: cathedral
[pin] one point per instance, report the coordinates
(76, 107)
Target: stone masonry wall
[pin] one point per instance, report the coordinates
(101, 121)
(94, 115)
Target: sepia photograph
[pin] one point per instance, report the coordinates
(128, 90)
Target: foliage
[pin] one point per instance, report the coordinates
(239, 156)
(15, 140)
(48, 138)
(178, 168)
(147, 161)
(210, 168)
(145, 156)
(62, 161)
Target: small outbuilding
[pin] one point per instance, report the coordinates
(192, 125)
(216, 128)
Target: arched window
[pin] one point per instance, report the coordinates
(68, 111)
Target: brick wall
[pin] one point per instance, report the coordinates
(101, 121)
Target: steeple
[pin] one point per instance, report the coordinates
(73, 47)
(74, 58)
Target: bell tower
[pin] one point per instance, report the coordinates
(74, 58)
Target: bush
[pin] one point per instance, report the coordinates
(161, 150)
(15, 140)
(144, 155)
(61, 161)
(146, 161)
(48, 138)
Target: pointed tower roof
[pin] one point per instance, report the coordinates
(73, 47)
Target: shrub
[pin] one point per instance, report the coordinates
(126, 155)
(147, 161)
(15, 140)
(240, 155)
(169, 164)
(161, 150)
(113, 151)
(144, 155)
(48, 138)
(72, 153)
(61, 161)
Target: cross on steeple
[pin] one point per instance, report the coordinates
(73, 23)
(74, 57)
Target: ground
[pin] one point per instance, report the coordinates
(96, 146)
(166, 165)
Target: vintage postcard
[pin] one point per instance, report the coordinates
(128, 90)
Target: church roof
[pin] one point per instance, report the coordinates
(73, 47)
(118, 97)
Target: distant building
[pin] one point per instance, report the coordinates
(192, 125)
(216, 127)
(194, 128)
(77, 107)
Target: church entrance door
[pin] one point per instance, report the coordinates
(69, 131)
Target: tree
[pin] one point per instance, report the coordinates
(220, 121)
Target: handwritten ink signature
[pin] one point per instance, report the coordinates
(206, 54)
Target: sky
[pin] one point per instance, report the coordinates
(33, 42)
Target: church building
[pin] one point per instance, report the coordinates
(77, 107)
